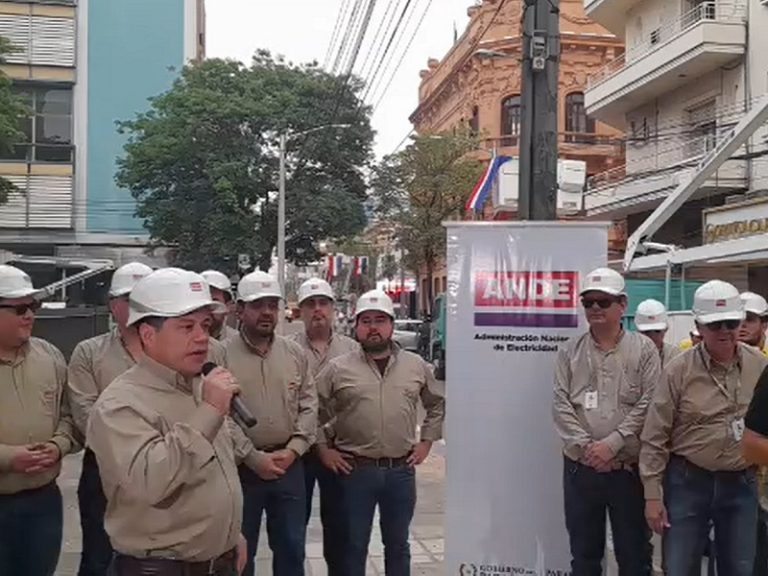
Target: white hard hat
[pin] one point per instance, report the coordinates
(651, 315)
(315, 287)
(170, 293)
(258, 285)
(754, 303)
(715, 301)
(604, 280)
(217, 280)
(375, 300)
(126, 277)
(15, 283)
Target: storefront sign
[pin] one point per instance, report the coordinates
(735, 221)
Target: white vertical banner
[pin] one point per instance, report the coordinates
(513, 299)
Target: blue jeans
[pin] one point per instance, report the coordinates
(284, 501)
(589, 494)
(696, 499)
(394, 491)
(97, 550)
(30, 531)
(331, 513)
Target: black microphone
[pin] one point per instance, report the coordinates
(240, 412)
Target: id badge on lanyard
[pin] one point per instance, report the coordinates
(737, 424)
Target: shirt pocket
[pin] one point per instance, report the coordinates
(44, 379)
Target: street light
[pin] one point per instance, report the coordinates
(284, 139)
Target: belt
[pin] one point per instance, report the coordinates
(224, 565)
(381, 462)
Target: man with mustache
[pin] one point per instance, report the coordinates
(221, 291)
(278, 387)
(321, 344)
(691, 459)
(370, 400)
(603, 384)
(36, 432)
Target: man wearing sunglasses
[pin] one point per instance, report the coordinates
(94, 364)
(36, 431)
(603, 384)
(691, 459)
(651, 320)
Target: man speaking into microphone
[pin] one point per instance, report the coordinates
(277, 387)
(167, 461)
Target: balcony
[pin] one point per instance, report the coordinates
(571, 144)
(611, 14)
(700, 41)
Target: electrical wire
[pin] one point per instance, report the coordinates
(340, 17)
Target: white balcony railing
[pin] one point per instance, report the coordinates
(713, 11)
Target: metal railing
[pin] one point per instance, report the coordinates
(577, 140)
(712, 11)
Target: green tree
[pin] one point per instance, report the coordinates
(202, 163)
(420, 188)
(12, 112)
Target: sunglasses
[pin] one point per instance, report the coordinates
(21, 309)
(603, 303)
(720, 324)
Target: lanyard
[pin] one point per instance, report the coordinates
(720, 386)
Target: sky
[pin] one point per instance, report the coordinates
(301, 30)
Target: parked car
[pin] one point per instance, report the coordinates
(407, 334)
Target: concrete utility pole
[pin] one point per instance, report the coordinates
(538, 138)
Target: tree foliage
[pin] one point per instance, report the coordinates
(203, 162)
(12, 111)
(420, 188)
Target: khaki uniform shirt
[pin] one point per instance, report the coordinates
(604, 395)
(96, 362)
(279, 390)
(337, 346)
(33, 409)
(167, 464)
(693, 413)
(669, 352)
(226, 333)
(376, 416)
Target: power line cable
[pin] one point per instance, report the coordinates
(336, 30)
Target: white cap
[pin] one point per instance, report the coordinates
(170, 293)
(315, 287)
(15, 283)
(375, 300)
(126, 277)
(715, 301)
(651, 315)
(217, 280)
(258, 285)
(754, 303)
(604, 280)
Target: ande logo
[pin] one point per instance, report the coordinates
(527, 299)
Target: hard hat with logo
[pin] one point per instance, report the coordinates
(754, 303)
(217, 280)
(126, 277)
(651, 315)
(716, 301)
(15, 283)
(258, 285)
(375, 301)
(315, 287)
(170, 293)
(604, 280)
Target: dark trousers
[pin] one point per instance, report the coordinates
(394, 491)
(97, 550)
(284, 502)
(331, 512)
(696, 499)
(589, 494)
(30, 532)
(761, 558)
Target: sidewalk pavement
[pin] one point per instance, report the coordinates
(426, 529)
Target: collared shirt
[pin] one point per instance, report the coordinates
(338, 345)
(226, 333)
(694, 411)
(96, 362)
(375, 415)
(168, 467)
(603, 395)
(669, 352)
(279, 389)
(33, 409)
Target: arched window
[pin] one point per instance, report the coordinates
(510, 120)
(474, 123)
(578, 125)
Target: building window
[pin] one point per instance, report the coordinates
(579, 127)
(48, 129)
(474, 123)
(703, 128)
(510, 120)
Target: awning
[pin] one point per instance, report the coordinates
(742, 250)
